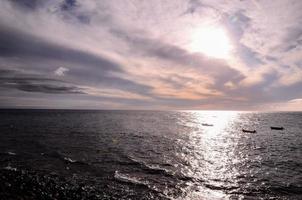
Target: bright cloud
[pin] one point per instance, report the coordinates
(61, 71)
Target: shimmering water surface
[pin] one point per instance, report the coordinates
(156, 154)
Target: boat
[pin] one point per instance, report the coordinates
(248, 131)
(205, 124)
(277, 128)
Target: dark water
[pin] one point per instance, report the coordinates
(149, 155)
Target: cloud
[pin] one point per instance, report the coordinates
(290, 105)
(87, 68)
(44, 88)
(27, 4)
(16, 43)
(151, 48)
(61, 71)
(136, 55)
(195, 5)
(10, 79)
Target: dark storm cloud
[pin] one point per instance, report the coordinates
(12, 79)
(15, 75)
(88, 68)
(46, 88)
(16, 43)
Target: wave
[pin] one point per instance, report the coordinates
(58, 155)
(151, 168)
(128, 179)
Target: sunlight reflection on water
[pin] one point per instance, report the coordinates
(213, 158)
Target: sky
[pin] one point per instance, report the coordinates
(159, 54)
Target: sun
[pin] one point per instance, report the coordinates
(211, 41)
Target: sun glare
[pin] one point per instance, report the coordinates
(211, 41)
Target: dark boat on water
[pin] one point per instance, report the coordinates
(248, 131)
(205, 124)
(277, 128)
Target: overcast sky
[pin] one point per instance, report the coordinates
(138, 54)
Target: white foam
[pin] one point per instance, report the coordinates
(10, 168)
(126, 178)
(69, 160)
(11, 153)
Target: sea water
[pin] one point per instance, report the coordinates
(65, 154)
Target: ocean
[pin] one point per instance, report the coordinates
(66, 154)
